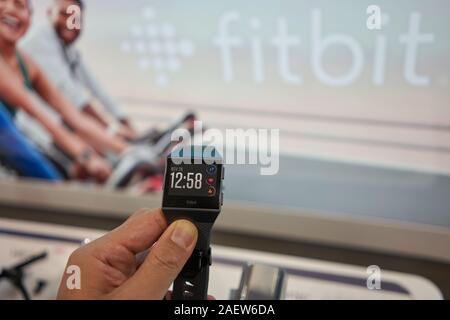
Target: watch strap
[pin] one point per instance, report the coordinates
(192, 282)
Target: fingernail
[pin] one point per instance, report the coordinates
(184, 234)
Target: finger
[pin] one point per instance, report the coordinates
(163, 264)
(140, 257)
(139, 232)
(168, 296)
(116, 251)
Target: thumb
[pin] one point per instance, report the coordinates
(164, 262)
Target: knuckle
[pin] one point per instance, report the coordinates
(141, 212)
(76, 255)
(160, 220)
(166, 261)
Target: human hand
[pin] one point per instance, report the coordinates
(97, 167)
(109, 267)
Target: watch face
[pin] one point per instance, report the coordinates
(192, 185)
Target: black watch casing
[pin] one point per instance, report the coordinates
(193, 191)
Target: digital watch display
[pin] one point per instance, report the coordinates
(193, 191)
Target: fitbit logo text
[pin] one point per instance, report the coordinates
(250, 47)
(237, 146)
(289, 47)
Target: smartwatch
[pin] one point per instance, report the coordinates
(193, 191)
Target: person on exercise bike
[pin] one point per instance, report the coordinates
(77, 135)
(53, 46)
(20, 76)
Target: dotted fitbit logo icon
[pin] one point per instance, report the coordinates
(158, 47)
